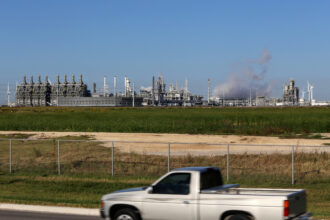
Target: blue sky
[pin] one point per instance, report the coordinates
(181, 38)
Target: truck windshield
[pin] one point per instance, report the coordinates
(210, 179)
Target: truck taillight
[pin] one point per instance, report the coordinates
(102, 204)
(286, 208)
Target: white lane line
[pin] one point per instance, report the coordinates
(50, 209)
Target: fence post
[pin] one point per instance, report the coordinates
(112, 156)
(169, 158)
(227, 162)
(58, 158)
(10, 156)
(292, 181)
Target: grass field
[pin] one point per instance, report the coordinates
(85, 158)
(86, 192)
(249, 121)
(86, 166)
(86, 172)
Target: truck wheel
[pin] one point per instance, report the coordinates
(126, 214)
(238, 217)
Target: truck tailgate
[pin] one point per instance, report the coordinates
(297, 203)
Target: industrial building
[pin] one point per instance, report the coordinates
(290, 98)
(290, 94)
(67, 94)
(45, 93)
(77, 94)
(159, 96)
(72, 93)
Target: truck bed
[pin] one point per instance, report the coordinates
(296, 197)
(231, 189)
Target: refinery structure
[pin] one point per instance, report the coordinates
(290, 97)
(72, 93)
(76, 93)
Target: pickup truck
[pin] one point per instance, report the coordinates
(198, 193)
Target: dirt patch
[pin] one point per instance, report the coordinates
(179, 138)
(184, 143)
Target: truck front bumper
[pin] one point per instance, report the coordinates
(306, 216)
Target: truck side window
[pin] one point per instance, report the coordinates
(211, 178)
(176, 183)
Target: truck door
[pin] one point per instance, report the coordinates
(170, 199)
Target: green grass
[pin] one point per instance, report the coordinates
(86, 192)
(248, 121)
(15, 136)
(86, 166)
(86, 172)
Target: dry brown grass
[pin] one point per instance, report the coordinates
(92, 159)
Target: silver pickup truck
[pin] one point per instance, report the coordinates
(197, 193)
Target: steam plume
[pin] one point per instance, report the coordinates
(246, 77)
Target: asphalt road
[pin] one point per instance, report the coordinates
(19, 215)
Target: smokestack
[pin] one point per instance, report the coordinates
(153, 91)
(105, 86)
(46, 79)
(94, 87)
(312, 87)
(58, 79)
(208, 92)
(114, 86)
(186, 88)
(250, 97)
(8, 94)
(133, 101)
(125, 86)
(73, 80)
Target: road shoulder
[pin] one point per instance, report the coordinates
(50, 209)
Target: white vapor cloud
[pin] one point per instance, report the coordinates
(246, 77)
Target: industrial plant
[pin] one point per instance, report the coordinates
(76, 93)
(290, 98)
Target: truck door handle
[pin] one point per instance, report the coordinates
(186, 202)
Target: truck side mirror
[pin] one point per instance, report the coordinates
(150, 189)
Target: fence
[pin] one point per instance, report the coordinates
(276, 163)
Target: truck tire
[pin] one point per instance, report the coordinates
(238, 217)
(126, 214)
